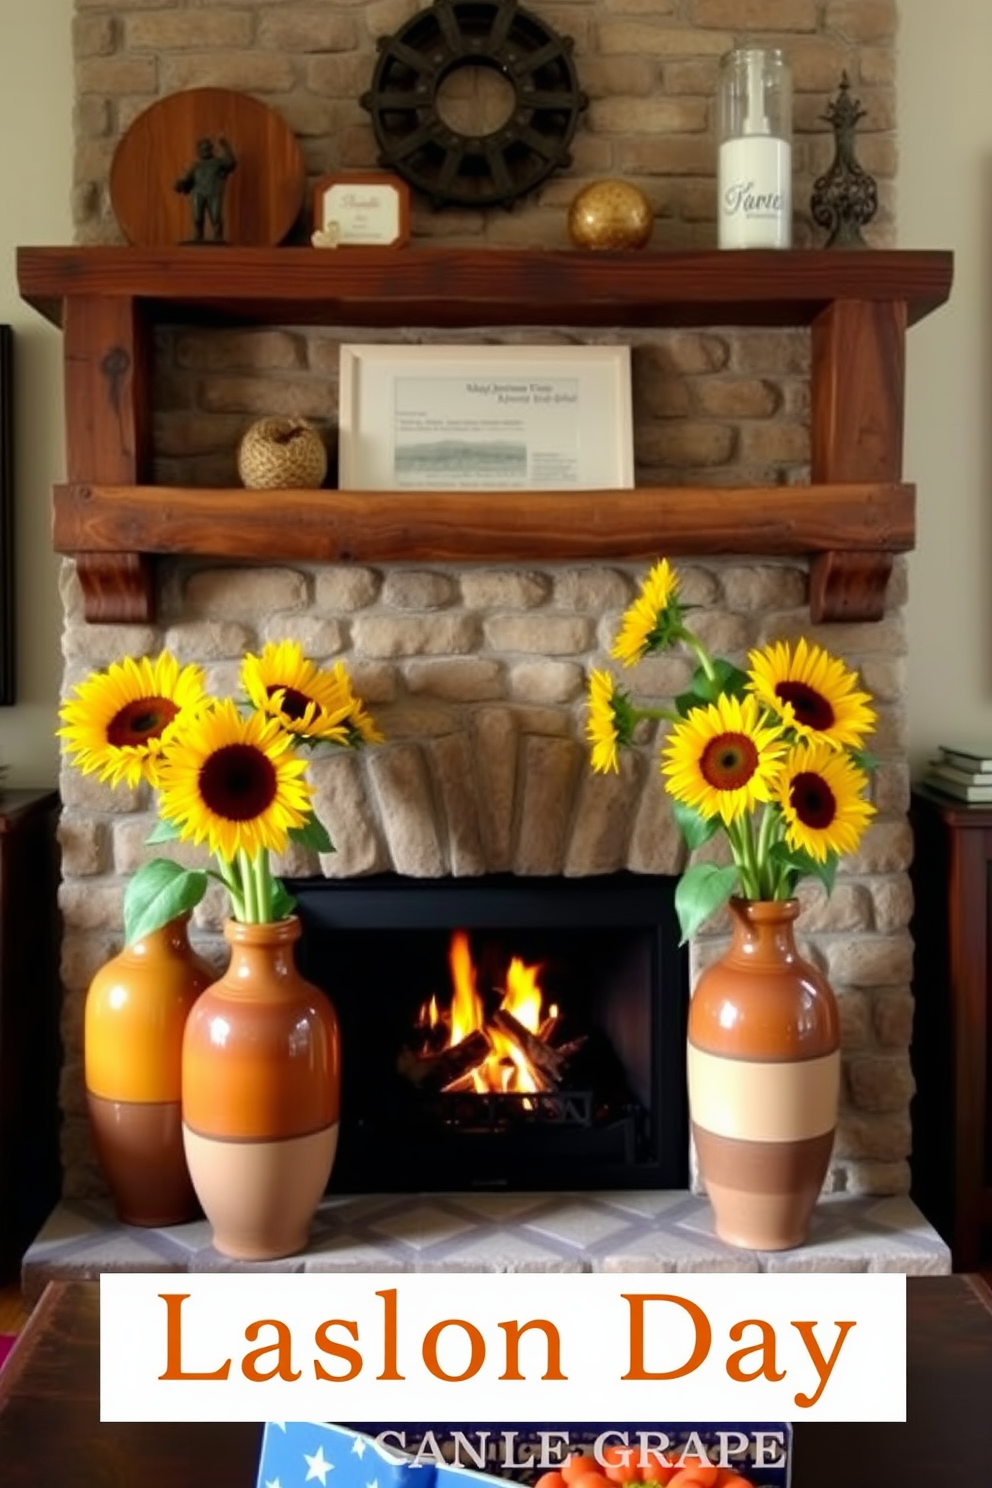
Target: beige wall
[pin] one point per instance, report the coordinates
(945, 200)
(35, 184)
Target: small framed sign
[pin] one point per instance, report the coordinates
(362, 210)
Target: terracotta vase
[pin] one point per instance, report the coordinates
(136, 1010)
(764, 1080)
(261, 1095)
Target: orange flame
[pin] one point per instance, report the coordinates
(506, 1067)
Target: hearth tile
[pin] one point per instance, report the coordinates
(580, 1223)
(498, 1208)
(648, 1203)
(672, 1251)
(73, 1246)
(210, 1260)
(422, 1224)
(508, 1251)
(341, 1251)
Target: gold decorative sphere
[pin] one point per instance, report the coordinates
(610, 215)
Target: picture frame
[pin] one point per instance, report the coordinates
(368, 209)
(7, 649)
(486, 418)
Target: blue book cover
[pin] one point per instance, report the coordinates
(298, 1453)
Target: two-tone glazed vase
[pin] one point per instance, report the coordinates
(764, 1080)
(261, 1092)
(134, 1020)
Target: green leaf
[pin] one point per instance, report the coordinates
(727, 679)
(700, 892)
(695, 828)
(312, 834)
(163, 831)
(804, 865)
(283, 902)
(865, 760)
(158, 892)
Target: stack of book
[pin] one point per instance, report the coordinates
(965, 774)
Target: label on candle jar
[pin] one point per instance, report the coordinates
(754, 183)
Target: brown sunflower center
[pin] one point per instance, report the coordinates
(294, 703)
(238, 782)
(729, 761)
(812, 800)
(140, 720)
(809, 706)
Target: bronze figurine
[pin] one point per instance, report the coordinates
(205, 184)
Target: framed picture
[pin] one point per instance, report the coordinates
(486, 418)
(7, 689)
(367, 210)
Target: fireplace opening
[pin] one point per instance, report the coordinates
(503, 1032)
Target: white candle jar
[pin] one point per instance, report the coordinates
(754, 167)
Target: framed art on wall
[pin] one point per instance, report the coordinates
(6, 517)
(486, 418)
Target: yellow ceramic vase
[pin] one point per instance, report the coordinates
(261, 1095)
(136, 1010)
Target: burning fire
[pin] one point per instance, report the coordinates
(504, 1064)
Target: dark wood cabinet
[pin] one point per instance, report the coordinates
(952, 1036)
(30, 1048)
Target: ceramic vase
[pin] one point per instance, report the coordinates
(261, 1095)
(764, 1080)
(135, 1015)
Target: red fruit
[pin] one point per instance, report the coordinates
(551, 1480)
(579, 1465)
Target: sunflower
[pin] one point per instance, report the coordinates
(234, 782)
(611, 721)
(813, 693)
(721, 760)
(654, 620)
(119, 720)
(822, 795)
(285, 684)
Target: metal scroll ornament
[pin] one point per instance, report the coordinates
(493, 168)
(846, 196)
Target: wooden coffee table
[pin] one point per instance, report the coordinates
(51, 1435)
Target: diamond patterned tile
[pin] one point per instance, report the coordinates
(346, 1252)
(499, 1208)
(577, 1222)
(422, 1224)
(508, 1250)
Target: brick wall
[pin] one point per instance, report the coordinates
(477, 675)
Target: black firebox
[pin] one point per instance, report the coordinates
(504, 1032)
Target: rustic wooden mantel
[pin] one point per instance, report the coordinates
(852, 518)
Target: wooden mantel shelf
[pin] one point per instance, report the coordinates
(458, 287)
(851, 519)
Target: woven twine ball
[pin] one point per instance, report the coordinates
(285, 453)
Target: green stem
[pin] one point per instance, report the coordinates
(702, 655)
(233, 886)
(248, 887)
(666, 715)
(738, 835)
(263, 885)
(766, 870)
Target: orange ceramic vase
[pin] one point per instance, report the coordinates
(136, 1010)
(261, 1095)
(764, 1080)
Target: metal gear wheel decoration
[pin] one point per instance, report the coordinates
(485, 169)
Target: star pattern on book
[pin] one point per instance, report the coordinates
(358, 1446)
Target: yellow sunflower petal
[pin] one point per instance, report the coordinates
(117, 722)
(721, 760)
(812, 692)
(601, 726)
(306, 700)
(234, 782)
(650, 616)
(823, 796)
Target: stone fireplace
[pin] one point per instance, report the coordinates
(476, 672)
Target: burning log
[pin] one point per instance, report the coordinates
(430, 1071)
(549, 1063)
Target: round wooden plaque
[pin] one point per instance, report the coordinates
(262, 196)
